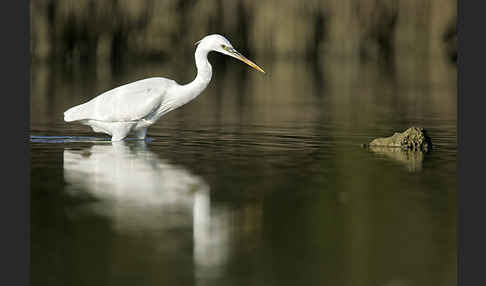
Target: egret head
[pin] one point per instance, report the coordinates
(220, 44)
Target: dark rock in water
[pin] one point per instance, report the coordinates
(414, 138)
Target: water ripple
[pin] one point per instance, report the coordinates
(75, 139)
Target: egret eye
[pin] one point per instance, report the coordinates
(227, 48)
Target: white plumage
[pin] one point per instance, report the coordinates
(133, 107)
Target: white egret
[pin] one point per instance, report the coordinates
(133, 107)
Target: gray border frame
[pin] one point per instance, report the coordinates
(15, 209)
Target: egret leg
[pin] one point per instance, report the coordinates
(120, 131)
(118, 137)
(141, 133)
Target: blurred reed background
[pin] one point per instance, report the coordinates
(351, 51)
(74, 31)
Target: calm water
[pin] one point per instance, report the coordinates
(259, 181)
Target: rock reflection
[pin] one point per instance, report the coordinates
(145, 195)
(412, 160)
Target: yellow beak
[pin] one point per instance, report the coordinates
(250, 63)
(242, 58)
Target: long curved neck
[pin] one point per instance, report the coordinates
(204, 73)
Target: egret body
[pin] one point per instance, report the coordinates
(133, 107)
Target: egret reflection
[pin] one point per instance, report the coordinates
(141, 193)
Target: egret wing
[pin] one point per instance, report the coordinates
(129, 102)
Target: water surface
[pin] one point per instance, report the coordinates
(259, 181)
